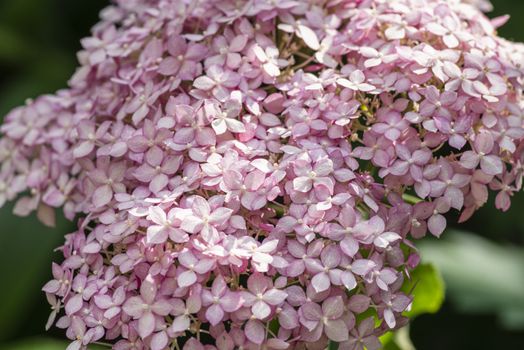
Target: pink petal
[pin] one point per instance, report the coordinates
(146, 324)
(102, 196)
(491, 165)
(255, 331)
(204, 83)
(83, 149)
(321, 282)
(180, 324)
(275, 296)
(231, 301)
(333, 307)
(437, 224)
(192, 224)
(220, 216)
(158, 183)
(156, 234)
(214, 314)
(186, 279)
(336, 330)
(159, 341)
(302, 184)
(260, 310)
(359, 303)
(74, 304)
(469, 160)
(389, 317)
(309, 37)
(134, 307)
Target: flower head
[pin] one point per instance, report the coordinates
(236, 163)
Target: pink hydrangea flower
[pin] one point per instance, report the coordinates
(236, 163)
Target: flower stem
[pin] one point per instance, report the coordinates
(411, 199)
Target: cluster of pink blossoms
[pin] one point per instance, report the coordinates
(249, 174)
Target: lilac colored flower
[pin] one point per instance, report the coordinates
(437, 103)
(203, 220)
(326, 318)
(192, 266)
(394, 303)
(356, 82)
(184, 58)
(483, 145)
(220, 300)
(448, 30)
(231, 164)
(461, 79)
(218, 81)
(261, 296)
(88, 135)
(268, 57)
(183, 311)
(164, 227)
(391, 125)
(314, 177)
(326, 272)
(108, 180)
(301, 30)
(111, 304)
(362, 337)
(225, 120)
(437, 221)
(506, 190)
(410, 162)
(448, 185)
(147, 307)
(376, 58)
(157, 169)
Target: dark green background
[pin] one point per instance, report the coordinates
(38, 41)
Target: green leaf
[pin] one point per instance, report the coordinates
(427, 287)
(398, 340)
(43, 344)
(387, 339)
(371, 312)
(332, 345)
(481, 276)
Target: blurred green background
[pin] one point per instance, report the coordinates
(484, 271)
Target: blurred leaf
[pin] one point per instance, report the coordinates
(428, 290)
(387, 341)
(43, 344)
(26, 247)
(12, 46)
(49, 74)
(398, 340)
(40, 344)
(481, 276)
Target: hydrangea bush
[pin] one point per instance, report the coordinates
(252, 174)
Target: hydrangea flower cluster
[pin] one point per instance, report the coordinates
(250, 174)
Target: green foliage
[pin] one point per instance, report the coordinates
(42, 344)
(332, 345)
(427, 286)
(26, 247)
(398, 340)
(428, 290)
(481, 276)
